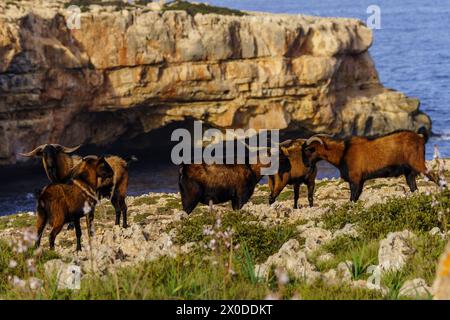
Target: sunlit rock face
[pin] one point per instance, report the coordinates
(128, 72)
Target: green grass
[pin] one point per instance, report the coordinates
(204, 273)
(21, 270)
(147, 200)
(423, 263)
(361, 253)
(84, 4)
(105, 212)
(17, 221)
(196, 8)
(259, 199)
(261, 241)
(170, 204)
(415, 213)
(191, 276)
(286, 195)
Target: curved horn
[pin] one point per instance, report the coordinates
(34, 152)
(286, 143)
(323, 135)
(70, 150)
(314, 139)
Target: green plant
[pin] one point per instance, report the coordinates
(393, 281)
(196, 8)
(248, 267)
(416, 213)
(17, 221)
(262, 241)
(360, 263)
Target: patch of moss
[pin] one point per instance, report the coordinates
(321, 183)
(173, 203)
(147, 200)
(105, 211)
(263, 188)
(259, 199)
(378, 186)
(286, 195)
(141, 217)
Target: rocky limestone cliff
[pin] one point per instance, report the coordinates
(127, 72)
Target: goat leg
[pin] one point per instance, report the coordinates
(116, 205)
(296, 195)
(311, 187)
(40, 226)
(356, 190)
(411, 180)
(55, 231)
(123, 209)
(78, 233)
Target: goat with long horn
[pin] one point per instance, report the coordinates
(360, 159)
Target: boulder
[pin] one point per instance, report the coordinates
(348, 230)
(416, 288)
(292, 259)
(315, 237)
(394, 250)
(68, 276)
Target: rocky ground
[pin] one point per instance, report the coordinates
(333, 242)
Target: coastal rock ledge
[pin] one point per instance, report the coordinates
(128, 72)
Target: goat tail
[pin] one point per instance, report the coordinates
(424, 133)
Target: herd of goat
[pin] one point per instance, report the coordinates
(77, 183)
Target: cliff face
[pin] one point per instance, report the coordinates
(129, 72)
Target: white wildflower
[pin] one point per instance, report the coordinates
(35, 283)
(12, 264)
(17, 282)
(282, 276)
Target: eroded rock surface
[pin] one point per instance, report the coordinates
(128, 72)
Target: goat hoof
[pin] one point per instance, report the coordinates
(125, 226)
(70, 226)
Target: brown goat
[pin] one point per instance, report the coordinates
(360, 159)
(217, 183)
(60, 203)
(293, 171)
(58, 165)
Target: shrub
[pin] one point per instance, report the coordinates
(195, 8)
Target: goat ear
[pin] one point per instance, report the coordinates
(90, 159)
(34, 153)
(284, 151)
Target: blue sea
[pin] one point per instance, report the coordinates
(411, 52)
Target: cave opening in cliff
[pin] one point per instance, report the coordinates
(154, 170)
